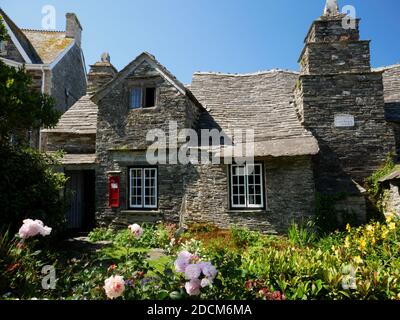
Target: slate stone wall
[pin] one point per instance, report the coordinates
(392, 201)
(70, 143)
(290, 196)
(336, 79)
(121, 129)
(68, 80)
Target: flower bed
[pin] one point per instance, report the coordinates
(207, 263)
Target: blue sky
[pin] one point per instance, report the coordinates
(210, 35)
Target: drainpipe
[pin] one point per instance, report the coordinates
(42, 89)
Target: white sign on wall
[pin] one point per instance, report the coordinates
(344, 121)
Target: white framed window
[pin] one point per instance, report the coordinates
(247, 186)
(143, 188)
(142, 97)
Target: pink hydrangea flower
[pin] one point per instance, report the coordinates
(208, 270)
(114, 287)
(193, 287)
(193, 271)
(205, 282)
(136, 230)
(182, 261)
(32, 228)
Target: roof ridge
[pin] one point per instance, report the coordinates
(277, 70)
(42, 30)
(387, 67)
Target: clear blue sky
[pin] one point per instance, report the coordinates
(210, 35)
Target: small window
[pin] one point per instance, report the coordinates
(143, 188)
(143, 98)
(3, 49)
(247, 189)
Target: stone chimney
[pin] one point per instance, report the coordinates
(73, 28)
(331, 8)
(100, 73)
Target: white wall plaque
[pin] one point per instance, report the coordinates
(344, 121)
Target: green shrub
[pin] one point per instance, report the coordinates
(244, 237)
(29, 188)
(101, 234)
(302, 234)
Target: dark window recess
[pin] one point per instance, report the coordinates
(150, 98)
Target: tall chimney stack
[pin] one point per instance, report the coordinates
(74, 28)
(100, 73)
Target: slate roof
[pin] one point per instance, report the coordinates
(22, 39)
(81, 118)
(48, 44)
(259, 101)
(41, 46)
(391, 83)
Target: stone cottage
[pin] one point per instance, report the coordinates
(323, 130)
(54, 59)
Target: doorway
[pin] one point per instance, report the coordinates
(80, 198)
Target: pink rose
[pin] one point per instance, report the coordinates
(193, 287)
(114, 287)
(32, 228)
(136, 230)
(192, 271)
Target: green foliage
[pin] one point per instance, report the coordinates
(101, 234)
(22, 108)
(269, 268)
(376, 193)
(29, 188)
(244, 237)
(3, 32)
(302, 234)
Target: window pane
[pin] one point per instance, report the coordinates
(150, 192)
(136, 188)
(136, 98)
(150, 97)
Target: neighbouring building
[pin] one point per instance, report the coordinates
(322, 130)
(54, 59)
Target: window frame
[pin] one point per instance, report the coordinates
(143, 206)
(143, 93)
(247, 206)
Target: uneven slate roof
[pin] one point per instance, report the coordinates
(391, 83)
(259, 101)
(392, 176)
(22, 39)
(48, 44)
(81, 118)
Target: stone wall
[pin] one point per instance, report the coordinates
(68, 80)
(290, 196)
(12, 53)
(123, 130)
(69, 143)
(392, 200)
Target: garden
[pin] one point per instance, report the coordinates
(203, 262)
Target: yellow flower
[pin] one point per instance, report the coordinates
(348, 228)
(363, 244)
(358, 260)
(385, 232)
(392, 226)
(389, 218)
(370, 228)
(347, 242)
